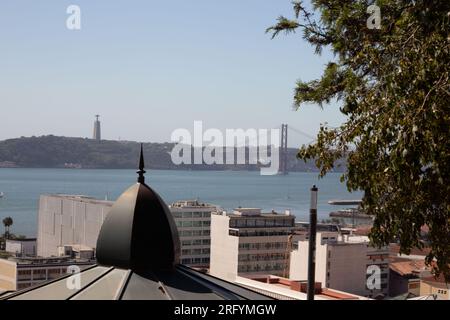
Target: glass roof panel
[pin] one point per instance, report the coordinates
(106, 288)
(60, 290)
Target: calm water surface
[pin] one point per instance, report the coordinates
(229, 189)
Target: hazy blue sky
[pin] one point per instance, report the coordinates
(149, 67)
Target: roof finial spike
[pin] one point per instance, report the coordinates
(141, 178)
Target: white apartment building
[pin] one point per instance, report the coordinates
(193, 220)
(346, 263)
(249, 243)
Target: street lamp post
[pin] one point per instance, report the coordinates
(312, 244)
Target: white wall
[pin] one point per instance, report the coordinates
(224, 249)
(22, 247)
(64, 220)
(348, 268)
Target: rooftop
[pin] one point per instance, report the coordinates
(395, 250)
(287, 289)
(409, 267)
(257, 212)
(82, 198)
(46, 261)
(191, 204)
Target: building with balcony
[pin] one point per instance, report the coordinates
(248, 242)
(193, 221)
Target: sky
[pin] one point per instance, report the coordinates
(150, 67)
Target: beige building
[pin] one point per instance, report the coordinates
(346, 263)
(193, 220)
(248, 242)
(21, 273)
(436, 287)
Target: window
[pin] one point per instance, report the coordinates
(260, 223)
(197, 215)
(54, 271)
(414, 285)
(187, 223)
(206, 223)
(196, 233)
(279, 222)
(24, 272)
(240, 223)
(196, 224)
(176, 214)
(288, 223)
(206, 232)
(206, 214)
(206, 241)
(187, 214)
(251, 223)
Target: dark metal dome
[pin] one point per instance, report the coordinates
(139, 232)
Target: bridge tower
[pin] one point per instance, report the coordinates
(284, 150)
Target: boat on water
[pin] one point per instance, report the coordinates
(1, 194)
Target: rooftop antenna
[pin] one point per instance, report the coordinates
(141, 178)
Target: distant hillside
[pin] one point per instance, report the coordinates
(63, 152)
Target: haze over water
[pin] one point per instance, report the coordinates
(228, 189)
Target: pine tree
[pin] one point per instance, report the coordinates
(392, 83)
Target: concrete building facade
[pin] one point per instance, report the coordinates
(21, 247)
(248, 243)
(69, 219)
(345, 263)
(193, 220)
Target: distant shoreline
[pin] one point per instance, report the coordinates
(52, 152)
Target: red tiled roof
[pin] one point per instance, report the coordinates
(409, 267)
(395, 249)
